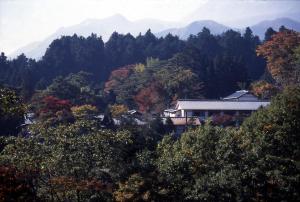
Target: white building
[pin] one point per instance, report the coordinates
(239, 104)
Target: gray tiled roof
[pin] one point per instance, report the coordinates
(236, 95)
(220, 105)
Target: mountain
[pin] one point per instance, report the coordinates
(260, 28)
(241, 14)
(194, 28)
(216, 28)
(107, 26)
(102, 27)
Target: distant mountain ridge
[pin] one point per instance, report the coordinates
(194, 28)
(260, 28)
(241, 14)
(105, 27)
(217, 28)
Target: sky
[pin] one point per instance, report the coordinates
(25, 21)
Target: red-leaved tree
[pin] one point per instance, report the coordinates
(149, 99)
(54, 109)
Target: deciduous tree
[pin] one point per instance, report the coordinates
(279, 51)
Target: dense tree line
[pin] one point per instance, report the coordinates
(222, 60)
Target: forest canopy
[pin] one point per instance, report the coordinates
(213, 65)
(68, 131)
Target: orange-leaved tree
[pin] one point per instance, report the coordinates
(149, 98)
(117, 76)
(263, 89)
(279, 53)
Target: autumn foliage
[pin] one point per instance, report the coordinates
(117, 76)
(263, 89)
(17, 185)
(136, 188)
(279, 51)
(63, 184)
(54, 109)
(149, 99)
(53, 104)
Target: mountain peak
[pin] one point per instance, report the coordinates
(194, 28)
(261, 27)
(118, 17)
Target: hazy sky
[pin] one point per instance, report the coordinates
(26, 21)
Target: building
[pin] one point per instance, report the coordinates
(170, 113)
(231, 109)
(241, 95)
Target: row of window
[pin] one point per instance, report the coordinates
(201, 113)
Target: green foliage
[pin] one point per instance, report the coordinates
(157, 85)
(281, 120)
(271, 142)
(296, 63)
(80, 161)
(78, 152)
(136, 188)
(204, 54)
(84, 111)
(75, 157)
(258, 162)
(191, 165)
(12, 112)
(75, 87)
(118, 110)
(179, 81)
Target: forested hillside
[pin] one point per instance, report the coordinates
(70, 152)
(219, 63)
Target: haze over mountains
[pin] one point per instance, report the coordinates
(243, 13)
(102, 27)
(260, 28)
(120, 24)
(194, 28)
(218, 16)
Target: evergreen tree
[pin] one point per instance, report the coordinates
(108, 121)
(269, 33)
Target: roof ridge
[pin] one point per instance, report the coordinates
(208, 100)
